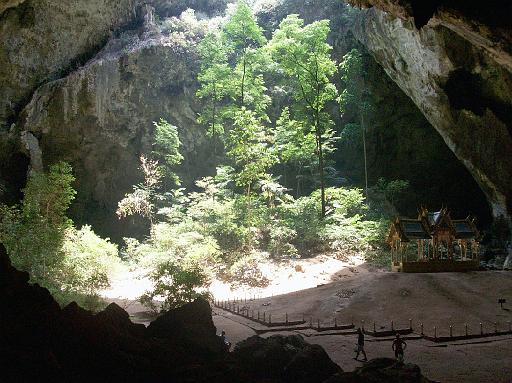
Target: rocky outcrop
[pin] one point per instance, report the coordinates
(382, 370)
(41, 40)
(457, 70)
(6, 4)
(41, 342)
(288, 358)
(402, 144)
(186, 325)
(100, 117)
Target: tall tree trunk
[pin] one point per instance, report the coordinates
(365, 157)
(243, 79)
(213, 121)
(320, 161)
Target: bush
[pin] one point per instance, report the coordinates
(303, 217)
(177, 283)
(281, 238)
(33, 232)
(246, 271)
(88, 262)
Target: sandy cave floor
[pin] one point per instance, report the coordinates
(352, 292)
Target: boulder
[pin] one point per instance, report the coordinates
(115, 317)
(381, 370)
(191, 327)
(288, 358)
(311, 364)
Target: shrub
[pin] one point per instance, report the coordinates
(177, 283)
(88, 262)
(33, 232)
(246, 271)
(281, 238)
(303, 217)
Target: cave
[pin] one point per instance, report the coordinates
(205, 191)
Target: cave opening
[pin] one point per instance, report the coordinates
(13, 177)
(205, 189)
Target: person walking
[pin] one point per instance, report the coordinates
(399, 347)
(360, 345)
(225, 342)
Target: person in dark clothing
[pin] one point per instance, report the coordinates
(225, 342)
(398, 347)
(360, 345)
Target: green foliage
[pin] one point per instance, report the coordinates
(293, 142)
(73, 264)
(166, 149)
(232, 67)
(214, 87)
(304, 55)
(243, 38)
(143, 198)
(393, 190)
(303, 217)
(281, 240)
(88, 263)
(248, 147)
(245, 271)
(176, 283)
(33, 233)
(355, 99)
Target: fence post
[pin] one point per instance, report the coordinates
(303, 317)
(374, 328)
(392, 326)
(435, 332)
(318, 323)
(496, 327)
(264, 316)
(481, 329)
(421, 325)
(269, 318)
(466, 329)
(311, 322)
(451, 332)
(335, 322)
(286, 318)
(410, 324)
(258, 314)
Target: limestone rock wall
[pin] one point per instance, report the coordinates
(100, 117)
(461, 80)
(42, 39)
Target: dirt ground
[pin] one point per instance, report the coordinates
(485, 360)
(440, 300)
(355, 294)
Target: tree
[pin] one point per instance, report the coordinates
(34, 231)
(295, 146)
(249, 148)
(213, 79)
(305, 57)
(243, 38)
(166, 150)
(231, 76)
(158, 172)
(177, 282)
(143, 198)
(355, 98)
